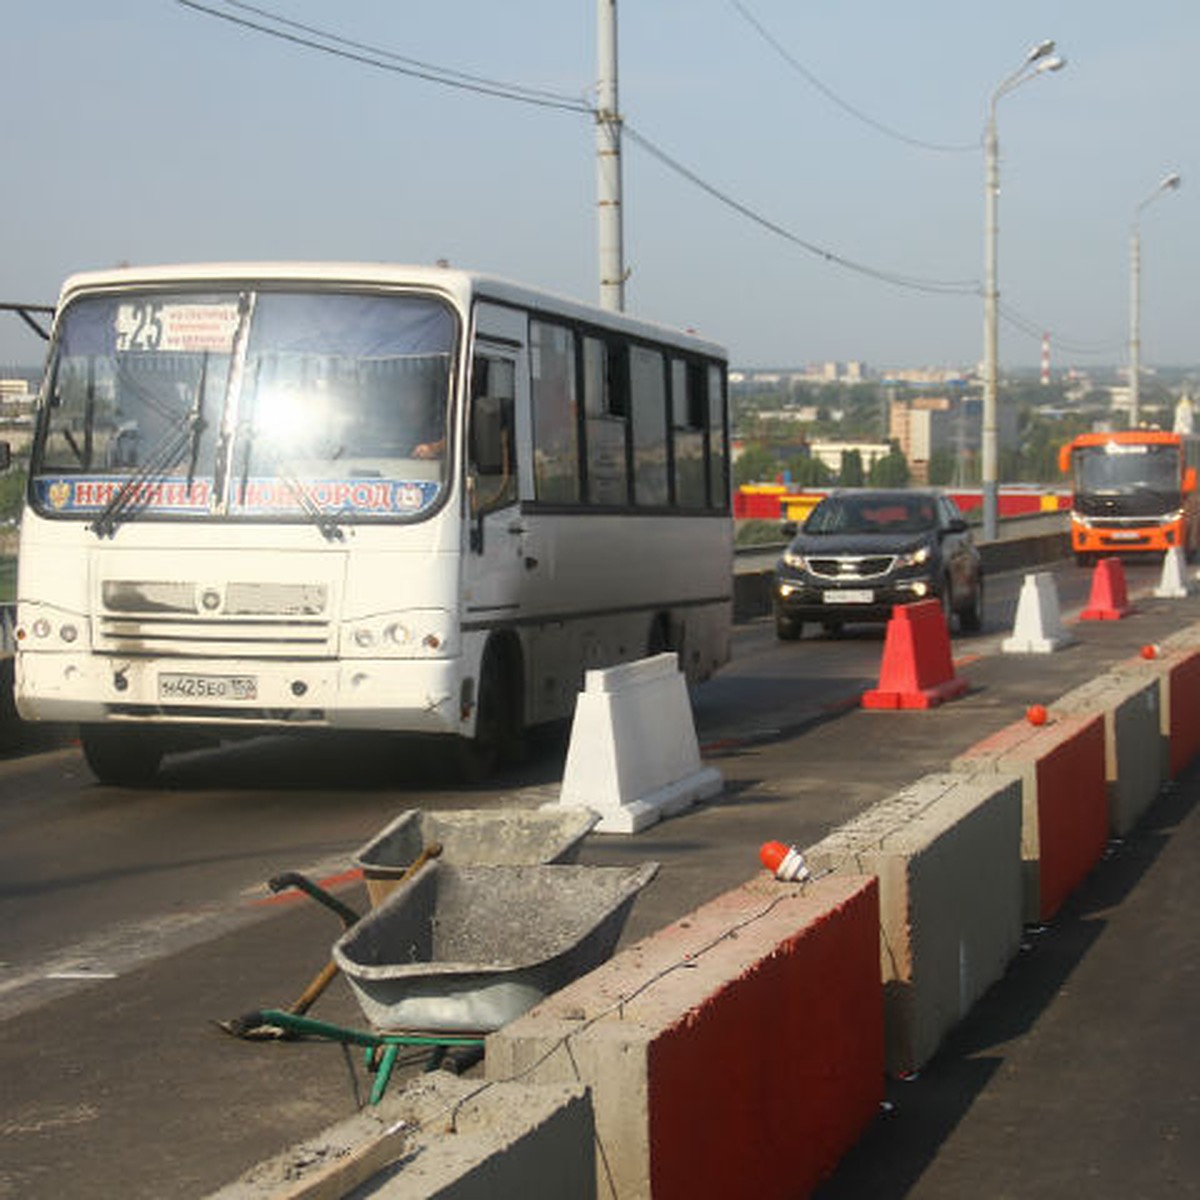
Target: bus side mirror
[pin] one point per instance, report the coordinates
(1064, 458)
(5, 456)
(1189, 480)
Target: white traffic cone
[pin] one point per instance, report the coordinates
(1173, 585)
(1039, 628)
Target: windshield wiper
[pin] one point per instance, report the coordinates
(323, 519)
(182, 438)
(131, 496)
(197, 422)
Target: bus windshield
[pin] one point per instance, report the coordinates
(303, 405)
(1145, 473)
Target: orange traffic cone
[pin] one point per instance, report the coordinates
(1109, 600)
(917, 670)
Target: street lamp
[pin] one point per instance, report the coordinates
(1038, 61)
(1169, 184)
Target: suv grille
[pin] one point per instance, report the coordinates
(856, 566)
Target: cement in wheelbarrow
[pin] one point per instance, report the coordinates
(471, 837)
(470, 948)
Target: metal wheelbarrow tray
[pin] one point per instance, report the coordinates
(470, 948)
(481, 837)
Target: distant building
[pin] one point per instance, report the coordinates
(830, 453)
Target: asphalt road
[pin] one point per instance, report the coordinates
(131, 921)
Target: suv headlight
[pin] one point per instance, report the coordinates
(914, 558)
(794, 560)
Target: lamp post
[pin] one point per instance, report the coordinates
(1169, 184)
(1038, 61)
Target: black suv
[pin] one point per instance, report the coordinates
(864, 550)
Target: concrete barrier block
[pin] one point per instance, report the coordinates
(1176, 667)
(442, 1138)
(633, 755)
(1135, 748)
(947, 853)
(1064, 801)
(738, 1052)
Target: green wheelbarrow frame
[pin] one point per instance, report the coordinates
(380, 1049)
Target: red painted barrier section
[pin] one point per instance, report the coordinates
(1062, 765)
(1184, 707)
(761, 1089)
(917, 669)
(1072, 813)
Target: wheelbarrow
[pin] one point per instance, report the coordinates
(476, 837)
(456, 952)
(252, 1025)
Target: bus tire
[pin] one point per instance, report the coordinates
(659, 640)
(499, 726)
(121, 756)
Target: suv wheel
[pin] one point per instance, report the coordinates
(787, 629)
(970, 617)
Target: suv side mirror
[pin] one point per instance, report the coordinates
(957, 525)
(789, 529)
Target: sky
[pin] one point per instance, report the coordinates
(787, 163)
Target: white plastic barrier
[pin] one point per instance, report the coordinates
(633, 756)
(1039, 628)
(1173, 584)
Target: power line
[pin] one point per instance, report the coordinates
(833, 97)
(1031, 329)
(311, 37)
(912, 282)
(386, 61)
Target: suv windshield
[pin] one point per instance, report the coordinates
(872, 514)
(313, 405)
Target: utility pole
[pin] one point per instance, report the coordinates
(1169, 184)
(608, 160)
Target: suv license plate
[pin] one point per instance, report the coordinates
(849, 596)
(207, 687)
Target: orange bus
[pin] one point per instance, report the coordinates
(1132, 492)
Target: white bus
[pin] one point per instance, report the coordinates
(346, 496)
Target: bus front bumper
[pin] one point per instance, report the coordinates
(418, 696)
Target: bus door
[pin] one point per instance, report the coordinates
(496, 562)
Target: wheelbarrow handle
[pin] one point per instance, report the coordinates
(290, 879)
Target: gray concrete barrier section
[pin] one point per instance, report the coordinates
(947, 853)
(1135, 748)
(443, 1138)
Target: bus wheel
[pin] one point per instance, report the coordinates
(498, 725)
(124, 757)
(658, 641)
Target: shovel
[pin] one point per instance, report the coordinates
(252, 1026)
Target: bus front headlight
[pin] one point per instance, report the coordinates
(423, 633)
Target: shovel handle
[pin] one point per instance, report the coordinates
(290, 879)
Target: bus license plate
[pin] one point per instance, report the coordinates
(850, 596)
(207, 687)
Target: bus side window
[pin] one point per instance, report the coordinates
(493, 464)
